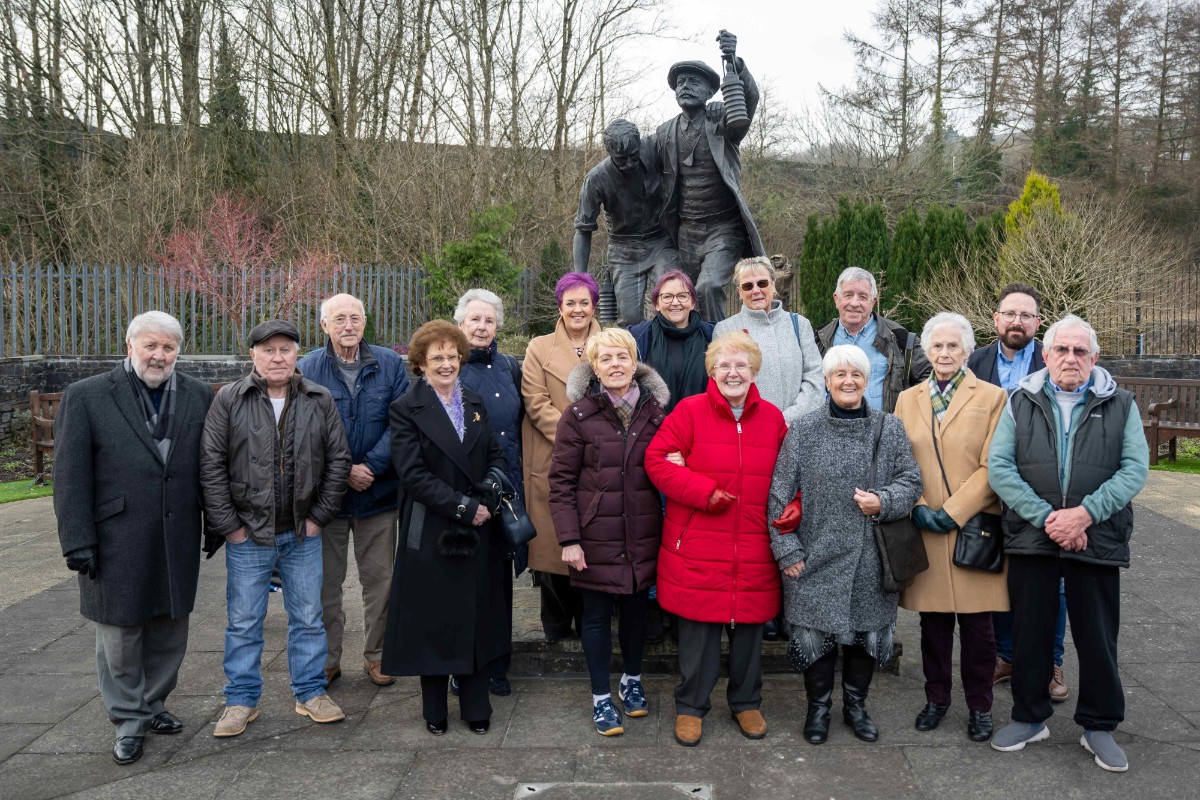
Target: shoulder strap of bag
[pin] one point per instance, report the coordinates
(796, 329)
(937, 450)
(910, 342)
(875, 454)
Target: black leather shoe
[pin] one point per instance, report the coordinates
(437, 728)
(499, 687)
(480, 726)
(930, 716)
(770, 631)
(165, 723)
(979, 726)
(128, 749)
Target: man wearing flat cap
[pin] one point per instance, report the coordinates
(274, 464)
(704, 211)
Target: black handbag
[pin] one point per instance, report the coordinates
(980, 542)
(514, 521)
(901, 550)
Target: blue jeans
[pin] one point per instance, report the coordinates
(1002, 626)
(247, 585)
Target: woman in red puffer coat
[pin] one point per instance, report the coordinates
(713, 458)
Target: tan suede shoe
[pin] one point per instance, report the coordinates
(372, 668)
(1058, 686)
(751, 723)
(688, 730)
(234, 720)
(321, 709)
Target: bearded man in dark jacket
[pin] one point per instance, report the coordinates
(127, 498)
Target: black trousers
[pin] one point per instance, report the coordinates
(500, 666)
(700, 666)
(977, 662)
(561, 605)
(1093, 595)
(473, 701)
(596, 633)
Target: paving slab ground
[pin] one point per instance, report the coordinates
(54, 737)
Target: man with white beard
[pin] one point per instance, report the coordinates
(127, 498)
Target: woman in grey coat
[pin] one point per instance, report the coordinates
(823, 507)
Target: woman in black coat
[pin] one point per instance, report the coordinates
(496, 378)
(446, 614)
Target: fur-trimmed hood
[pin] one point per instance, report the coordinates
(583, 378)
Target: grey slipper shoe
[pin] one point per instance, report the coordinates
(1108, 753)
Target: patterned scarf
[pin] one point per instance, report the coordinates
(158, 423)
(454, 409)
(624, 406)
(940, 398)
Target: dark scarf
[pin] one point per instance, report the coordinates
(158, 421)
(687, 377)
(483, 355)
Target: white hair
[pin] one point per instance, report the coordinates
(483, 296)
(852, 274)
(325, 305)
(159, 321)
(1071, 321)
(948, 319)
(846, 355)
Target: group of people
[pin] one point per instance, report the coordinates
(731, 475)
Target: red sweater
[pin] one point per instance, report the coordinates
(717, 567)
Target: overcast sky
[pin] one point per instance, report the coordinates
(792, 46)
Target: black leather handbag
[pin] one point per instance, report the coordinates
(980, 542)
(901, 550)
(514, 521)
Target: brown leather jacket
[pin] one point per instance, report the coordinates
(238, 458)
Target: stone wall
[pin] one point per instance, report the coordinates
(1153, 366)
(19, 376)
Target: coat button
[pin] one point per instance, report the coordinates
(169, 513)
(254, 459)
(254, 490)
(497, 394)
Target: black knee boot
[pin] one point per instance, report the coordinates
(857, 669)
(818, 685)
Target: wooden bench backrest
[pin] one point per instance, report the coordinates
(43, 406)
(1159, 390)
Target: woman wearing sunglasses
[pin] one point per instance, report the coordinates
(790, 378)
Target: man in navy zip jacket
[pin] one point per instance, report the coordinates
(364, 380)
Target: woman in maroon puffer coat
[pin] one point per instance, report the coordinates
(607, 515)
(713, 458)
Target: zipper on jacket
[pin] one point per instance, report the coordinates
(736, 537)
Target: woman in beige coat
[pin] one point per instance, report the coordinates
(961, 412)
(548, 361)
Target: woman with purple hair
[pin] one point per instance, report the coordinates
(548, 361)
(674, 340)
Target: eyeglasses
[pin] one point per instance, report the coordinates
(1062, 351)
(341, 320)
(681, 297)
(761, 283)
(1026, 317)
(439, 360)
(728, 368)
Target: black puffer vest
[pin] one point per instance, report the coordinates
(1095, 457)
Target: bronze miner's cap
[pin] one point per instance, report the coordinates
(698, 67)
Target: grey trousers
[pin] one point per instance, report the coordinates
(138, 666)
(700, 663)
(709, 252)
(375, 554)
(635, 267)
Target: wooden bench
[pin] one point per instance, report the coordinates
(42, 408)
(1170, 408)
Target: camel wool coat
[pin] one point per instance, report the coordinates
(548, 361)
(963, 435)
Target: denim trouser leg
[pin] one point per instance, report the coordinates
(248, 566)
(300, 569)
